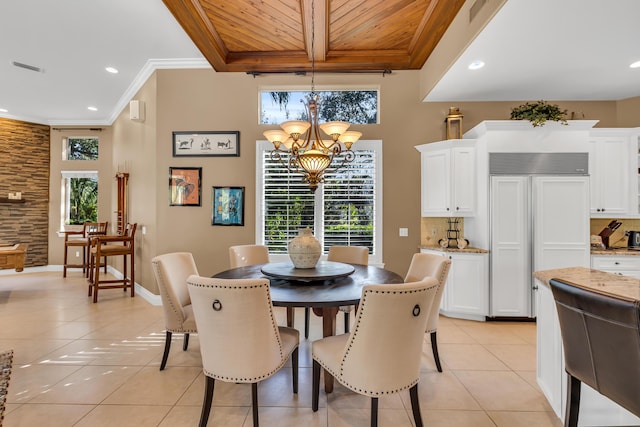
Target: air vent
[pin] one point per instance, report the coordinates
(28, 67)
(475, 9)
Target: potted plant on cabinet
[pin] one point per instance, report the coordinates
(538, 113)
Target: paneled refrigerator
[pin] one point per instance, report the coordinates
(539, 220)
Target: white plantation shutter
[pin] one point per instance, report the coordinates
(345, 210)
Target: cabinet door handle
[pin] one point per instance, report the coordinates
(457, 208)
(617, 263)
(447, 208)
(597, 209)
(603, 209)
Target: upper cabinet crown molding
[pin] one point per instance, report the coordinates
(524, 125)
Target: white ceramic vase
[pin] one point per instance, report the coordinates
(305, 249)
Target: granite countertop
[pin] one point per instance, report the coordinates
(468, 249)
(594, 280)
(615, 251)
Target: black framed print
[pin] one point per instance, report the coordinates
(228, 206)
(206, 144)
(185, 186)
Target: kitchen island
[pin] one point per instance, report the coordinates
(595, 409)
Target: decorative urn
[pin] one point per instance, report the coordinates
(305, 249)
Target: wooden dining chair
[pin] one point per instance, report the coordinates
(350, 255)
(431, 265)
(382, 355)
(80, 239)
(240, 341)
(106, 246)
(171, 272)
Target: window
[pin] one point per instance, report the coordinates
(80, 148)
(353, 106)
(345, 210)
(80, 197)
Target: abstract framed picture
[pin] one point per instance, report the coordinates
(228, 206)
(206, 144)
(185, 186)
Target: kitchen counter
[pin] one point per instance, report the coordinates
(595, 409)
(594, 280)
(468, 249)
(615, 251)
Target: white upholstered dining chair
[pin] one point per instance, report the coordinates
(382, 354)
(171, 272)
(350, 255)
(240, 341)
(244, 255)
(431, 265)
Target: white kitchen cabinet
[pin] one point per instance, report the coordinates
(623, 265)
(448, 178)
(466, 291)
(610, 170)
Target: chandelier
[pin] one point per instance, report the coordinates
(299, 146)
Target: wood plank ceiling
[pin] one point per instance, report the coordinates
(349, 35)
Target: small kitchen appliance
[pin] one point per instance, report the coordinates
(634, 240)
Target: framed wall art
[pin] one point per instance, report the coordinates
(228, 206)
(185, 186)
(207, 144)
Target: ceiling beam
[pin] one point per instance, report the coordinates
(315, 21)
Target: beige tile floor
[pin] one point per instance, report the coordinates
(83, 364)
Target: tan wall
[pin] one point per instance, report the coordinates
(24, 167)
(134, 152)
(203, 100)
(57, 165)
(628, 112)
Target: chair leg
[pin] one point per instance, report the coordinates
(573, 401)
(415, 405)
(307, 312)
(315, 391)
(206, 404)
(185, 344)
(96, 278)
(64, 262)
(346, 322)
(434, 348)
(167, 347)
(294, 369)
(254, 403)
(290, 317)
(374, 412)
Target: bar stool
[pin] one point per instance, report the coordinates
(105, 246)
(80, 239)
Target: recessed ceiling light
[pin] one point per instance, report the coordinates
(112, 70)
(92, 108)
(3, 110)
(476, 65)
(635, 65)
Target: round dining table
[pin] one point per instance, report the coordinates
(315, 288)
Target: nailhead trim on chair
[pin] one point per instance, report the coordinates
(176, 310)
(273, 322)
(338, 376)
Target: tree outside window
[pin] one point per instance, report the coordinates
(82, 148)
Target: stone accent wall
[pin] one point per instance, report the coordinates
(24, 167)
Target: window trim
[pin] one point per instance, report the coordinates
(376, 145)
(65, 192)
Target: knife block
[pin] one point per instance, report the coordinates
(605, 236)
